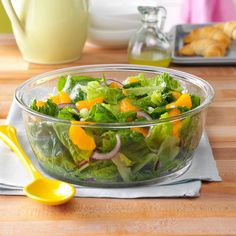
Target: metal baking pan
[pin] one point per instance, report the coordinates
(180, 31)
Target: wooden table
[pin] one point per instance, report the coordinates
(213, 213)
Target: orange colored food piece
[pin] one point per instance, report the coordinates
(40, 103)
(175, 124)
(132, 80)
(174, 112)
(176, 94)
(143, 131)
(88, 104)
(125, 105)
(64, 97)
(176, 128)
(183, 101)
(81, 139)
(55, 99)
(115, 85)
(61, 97)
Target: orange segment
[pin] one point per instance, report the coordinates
(184, 101)
(114, 85)
(175, 94)
(61, 97)
(132, 80)
(64, 97)
(40, 103)
(176, 125)
(176, 128)
(55, 99)
(125, 105)
(88, 104)
(143, 131)
(174, 112)
(81, 139)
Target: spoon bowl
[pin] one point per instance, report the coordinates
(49, 192)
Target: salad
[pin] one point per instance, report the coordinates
(116, 154)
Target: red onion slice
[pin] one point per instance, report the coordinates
(62, 105)
(143, 114)
(109, 155)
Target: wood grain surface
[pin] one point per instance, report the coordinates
(213, 213)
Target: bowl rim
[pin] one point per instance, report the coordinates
(204, 85)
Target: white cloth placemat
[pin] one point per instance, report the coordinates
(13, 174)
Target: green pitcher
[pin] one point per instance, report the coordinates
(49, 31)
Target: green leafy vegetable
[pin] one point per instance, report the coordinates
(113, 96)
(158, 133)
(196, 100)
(49, 107)
(168, 83)
(101, 114)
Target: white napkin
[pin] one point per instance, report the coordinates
(13, 174)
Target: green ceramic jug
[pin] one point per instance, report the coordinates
(49, 31)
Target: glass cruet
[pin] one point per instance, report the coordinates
(149, 45)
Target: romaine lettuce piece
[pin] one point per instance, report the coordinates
(168, 150)
(49, 108)
(125, 172)
(167, 83)
(196, 100)
(158, 133)
(106, 142)
(68, 113)
(48, 147)
(100, 113)
(94, 89)
(113, 96)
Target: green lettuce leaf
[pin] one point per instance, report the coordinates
(94, 89)
(49, 108)
(48, 147)
(158, 133)
(68, 113)
(125, 172)
(100, 113)
(167, 83)
(113, 95)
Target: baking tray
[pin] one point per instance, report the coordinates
(180, 31)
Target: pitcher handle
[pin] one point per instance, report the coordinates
(163, 17)
(12, 15)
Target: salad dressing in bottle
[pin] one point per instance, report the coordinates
(149, 45)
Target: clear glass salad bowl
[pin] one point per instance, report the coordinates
(135, 159)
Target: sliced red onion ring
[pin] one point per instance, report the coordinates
(62, 105)
(109, 155)
(143, 114)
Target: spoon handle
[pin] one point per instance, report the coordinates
(9, 136)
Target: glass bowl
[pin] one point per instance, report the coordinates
(140, 160)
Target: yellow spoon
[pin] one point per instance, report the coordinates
(43, 190)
